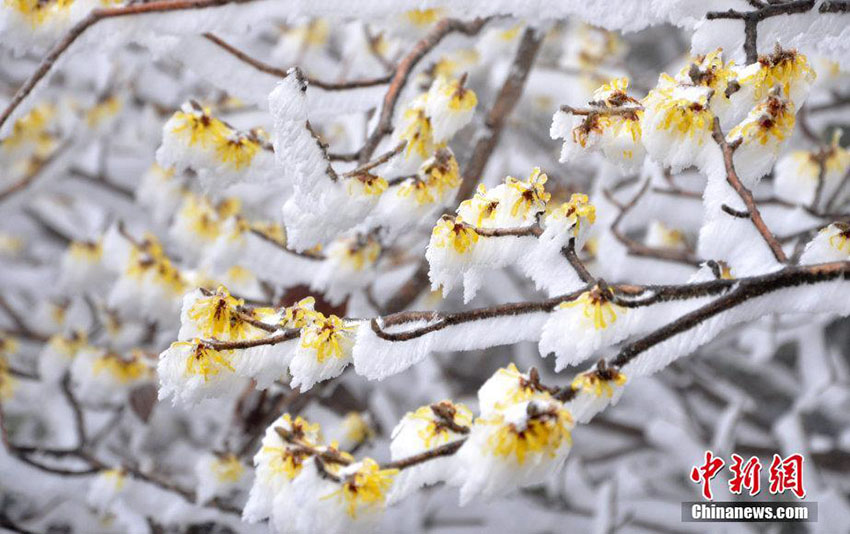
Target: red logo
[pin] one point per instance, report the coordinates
(784, 474)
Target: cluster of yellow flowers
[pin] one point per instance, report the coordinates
(436, 430)
(437, 176)
(454, 232)
(204, 360)
(123, 370)
(544, 431)
(325, 335)
(233, 148)
(365, 488)
(148, 260)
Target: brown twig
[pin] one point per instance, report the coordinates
(90, 20)
(404, 70)
(281, 73)
(746, 195)
(502, 107)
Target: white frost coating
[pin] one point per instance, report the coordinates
(377, 358)
(265, 364)
(224, 70)
(271, 462)
(811, 33)
(825, 297)
(734, 240)
(321, 207)
(760, 145)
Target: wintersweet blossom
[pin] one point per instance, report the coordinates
(796, 174)
(58, 353)
(612, 125)
(590, 321)
(761, 136)
(709, 70)
(424, 429)
(218, 475)
(508, 386)
(450, 106)
(786, 68)
(193, 370)
(520, 445)
(7, 381)
(277, 463)
(677, 123)
(831, 243)
(323, 352)
(594, 391)
(355, 503)
(416, 130)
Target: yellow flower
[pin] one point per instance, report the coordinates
(366, 488)
(442, 172)
(596, 306)
(367, 184)
(117, 476)
(300, 314)
(123, 371)
(781, 68)
(771, 119)
(419, 189)
(598, 383)
(202, 128)
(681, 116)
(236, 150)
(841, 239)
(453, 232)
(423, 17)
(313, 34)
(544, 432)
(460, 98)
(326, 336)
(32, 127)
(709, 71)
(483, 206)
(7, 382)
(532, 193)
(8, 344)
(37, 12)
(286, 461)
(88, 251)
(436, 432)
(213, 315)
(357, 428)
(204, 360)
(417, 133)
(103, 110)
(578, 209)
(227, 468)
(68, 346)
(360, 253)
